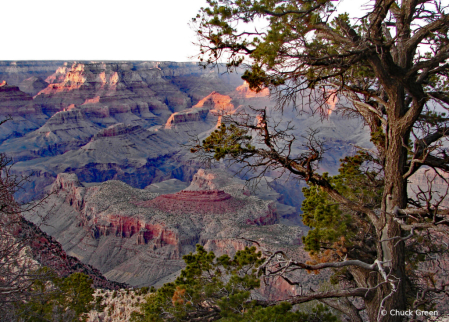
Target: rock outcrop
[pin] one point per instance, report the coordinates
(64, 131)
(85, 98)
(195, 202)
(190, 115)
(221, 104)
(14, 102)
(245, 92)
(112, 85)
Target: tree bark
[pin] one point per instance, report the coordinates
(393, 250)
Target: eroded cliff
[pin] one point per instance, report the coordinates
(139, 236)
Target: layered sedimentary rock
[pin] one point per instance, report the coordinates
(130, 153)
(190, 115)
(153, 101)
(32, 85)
(84, 98)
(195, 202)
(129, 120)
(138, 236)
(14, 102)
(116, 85)
(196, 82)
(17, 106)
(11, 95)
(64, 131)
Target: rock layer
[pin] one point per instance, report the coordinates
(24, 116)
(196, 202)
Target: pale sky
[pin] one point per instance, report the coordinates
(102, 30)
(98, 29)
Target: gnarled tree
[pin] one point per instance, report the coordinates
(390, 66)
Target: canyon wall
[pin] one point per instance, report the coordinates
(139, 236)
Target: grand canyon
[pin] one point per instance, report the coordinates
(107, 145)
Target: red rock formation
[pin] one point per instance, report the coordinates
(58, 76)
(74, 188)
(116, 85)
(126, 227)
(195, 202)
(200, 196)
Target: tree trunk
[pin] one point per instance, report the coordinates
(393, 250)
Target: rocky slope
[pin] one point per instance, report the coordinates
(48, 252)
(139, 236)
(128, 121)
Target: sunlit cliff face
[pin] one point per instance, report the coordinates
(94, 100)
(70, 107)
(331, 103)
(78, 76)
(216, 102)
(58, 76)
(246, 92)
(109, 79)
